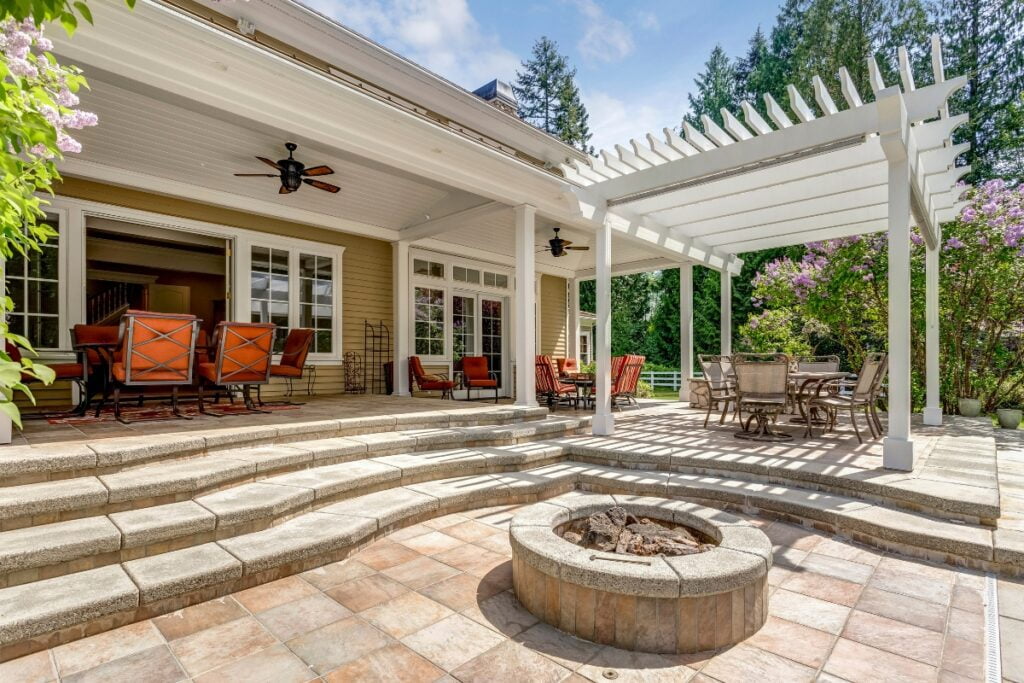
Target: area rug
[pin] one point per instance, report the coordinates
(159, 412)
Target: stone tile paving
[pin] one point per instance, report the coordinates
(433, 602)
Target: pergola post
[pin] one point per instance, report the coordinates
(525, 308)
(685, 329)
(573, 324)
(401, 296)
(726, 313)
(933, 407)
(604, 422)
(898, 448)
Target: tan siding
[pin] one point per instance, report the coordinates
(553, 340)
(366, 265)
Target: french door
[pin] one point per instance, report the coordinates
(478, 329)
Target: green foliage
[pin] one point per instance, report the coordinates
(716, 89)
(549, 98)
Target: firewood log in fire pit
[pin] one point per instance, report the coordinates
(618, 531)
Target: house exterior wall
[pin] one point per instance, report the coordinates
(554, 340)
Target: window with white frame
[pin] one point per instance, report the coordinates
(33, 283)
(429, 319)
(428, 268)
(585, 348)
(292, 288)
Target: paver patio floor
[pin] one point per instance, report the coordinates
(434, 601)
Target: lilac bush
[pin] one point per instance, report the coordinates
(837, 292)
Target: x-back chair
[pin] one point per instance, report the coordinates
(242, 357)
(154, 350)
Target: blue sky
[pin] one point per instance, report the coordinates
(636, 60)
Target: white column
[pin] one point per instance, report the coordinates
(604, 422)
(685, 329)
(572, 324)
(898, 448)
(933, 407)
(726, 313)
(525, 313)
(401, 297)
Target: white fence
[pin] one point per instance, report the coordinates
(670, 379)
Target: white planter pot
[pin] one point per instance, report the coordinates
(6, 428)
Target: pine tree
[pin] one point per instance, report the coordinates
(983, 40)
(753, 77)
(537, 85)
(716, 88)
(572, 122)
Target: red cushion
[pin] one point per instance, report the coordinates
(481, 382)
(148, 376)
(63, 371)
(436, 385)
(208, 371)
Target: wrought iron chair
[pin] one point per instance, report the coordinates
(154, 350)
(418, 377)
(242, 357)
(718, 387)
(549, 386)
(800, 390)
(865, 396)
(477, 375)
(293, 362)
(762, 389)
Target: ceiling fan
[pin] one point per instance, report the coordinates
(293, 173)
(558, 246)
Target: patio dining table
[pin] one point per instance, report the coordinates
(809, 383)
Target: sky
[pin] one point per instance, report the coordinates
(635, 60)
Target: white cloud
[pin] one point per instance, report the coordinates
(605, 38)
(616, 120)
(647, 20)
(441, 35)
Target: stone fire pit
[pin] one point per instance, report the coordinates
(666, 604)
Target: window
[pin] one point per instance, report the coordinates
(461, 274)
(585, 348)
(428, 268)
(316, 299)
(496, 280)
(428, 314)
(33, 284)
(269, 291)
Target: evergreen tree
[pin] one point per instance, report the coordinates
(572, 123)
(716, 89)
(984, 40)
(537, 85)
(753, 77)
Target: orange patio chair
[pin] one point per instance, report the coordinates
(242, 357)
(567, 366)
(476, 374)
(153, 350)
(68, 372)
(418, 377)
(549, 386)
(626, 376)
(293, 361)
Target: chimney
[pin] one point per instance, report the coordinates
(500, 95)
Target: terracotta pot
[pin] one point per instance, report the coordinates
(1009, 418)
(969, 407)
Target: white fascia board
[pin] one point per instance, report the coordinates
(313, 33)
(631, 268)
(88, 170)
(845, 125)
(161, 52)
(501, 259)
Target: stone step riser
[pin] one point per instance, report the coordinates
(221, 568)
(86, 497)
(24, 465)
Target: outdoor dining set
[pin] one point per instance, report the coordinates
(154, 355)
(759, 388)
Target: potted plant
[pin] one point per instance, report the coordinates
(1009, 418)
(969, 407)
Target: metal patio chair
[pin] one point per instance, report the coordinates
(762, 390)
(865, 395)
(242, 357)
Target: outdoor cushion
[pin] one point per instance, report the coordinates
(95, 334)
(118, 371)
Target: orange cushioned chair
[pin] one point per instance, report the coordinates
(67, 372)
(548, 384)
(625, 376)
(242, 357)
(476, 375)
(293, 356)
(95, 344)
(567, 366)
(428, 382)
(154, 349)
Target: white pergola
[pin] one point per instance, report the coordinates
(881, 165)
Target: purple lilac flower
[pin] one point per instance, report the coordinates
(968, 214)
(954, 243)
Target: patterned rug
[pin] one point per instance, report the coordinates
(159, 412)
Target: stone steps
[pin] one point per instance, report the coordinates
(55, 610)
(182, 479)
(54, 461)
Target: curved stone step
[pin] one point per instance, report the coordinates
(28, 464)
(44, 612)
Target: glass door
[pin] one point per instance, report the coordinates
(492, 334)
(465, 320)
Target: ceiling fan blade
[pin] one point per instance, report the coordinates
(268, 162)
(318, 170)
(566, 243)
(579, 248)
(327, 187)
(257, 175)
(284, 190)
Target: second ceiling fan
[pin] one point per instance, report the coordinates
(558, 246)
